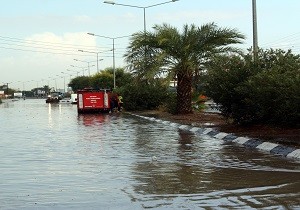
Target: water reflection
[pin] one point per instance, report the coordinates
(174, 171)
(92, 119)
(185, 140)
(207, 176)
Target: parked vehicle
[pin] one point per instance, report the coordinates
(65, 101)
(74, 98)
(54, 97)
(91, 100)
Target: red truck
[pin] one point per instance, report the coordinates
(93, 101)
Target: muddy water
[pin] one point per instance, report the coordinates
(52, 158)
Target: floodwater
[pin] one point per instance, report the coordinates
(53, 158)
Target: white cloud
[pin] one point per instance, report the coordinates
(66, 41)
(45, 55)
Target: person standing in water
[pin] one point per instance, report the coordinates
(120, 102)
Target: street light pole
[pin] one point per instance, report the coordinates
(144, 19)
(88, 62)
(58, 76)
(83, 68)
(94, 53)
(64, 81)
(255, 42)
(140, 7)
(70, 75)
(113, 42)
(49, 88)
(144, 10)
(64, 84)
(77, 72)
(114, 65)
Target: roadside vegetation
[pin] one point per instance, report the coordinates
(206, 64)
(102, 80)
(178, 55)
(253, 93)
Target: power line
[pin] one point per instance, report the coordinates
(42, 44)
(37, 51)
(36, 42)
(10, 43)
(289, 42)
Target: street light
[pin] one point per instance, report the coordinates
(67, 74)
(140, 7)
(74, 71)
(113, 39)
(83, 68)
(64, 81)
(94, 53)
(54, 78)
(88, 62)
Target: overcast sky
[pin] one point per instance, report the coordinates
(39, 39)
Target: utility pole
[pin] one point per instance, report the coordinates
(255, 42)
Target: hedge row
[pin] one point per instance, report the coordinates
(266, 92)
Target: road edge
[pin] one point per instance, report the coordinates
(254, 143)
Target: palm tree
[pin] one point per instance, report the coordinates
(168, 52)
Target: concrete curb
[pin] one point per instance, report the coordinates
(272, 148)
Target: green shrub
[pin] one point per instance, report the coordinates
(264, 92)
(142, 96)
(225, 74)
(275, 96)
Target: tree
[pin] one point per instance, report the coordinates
(79, 83)
(102, 80)
(105, 78)
(174, 54)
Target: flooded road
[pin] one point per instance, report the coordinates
(53, 158)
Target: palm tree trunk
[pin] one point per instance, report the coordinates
(184, 93)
